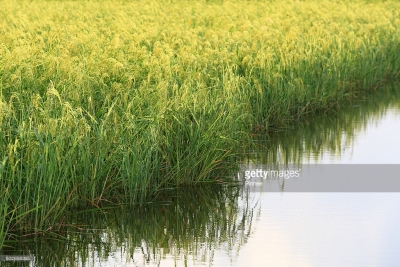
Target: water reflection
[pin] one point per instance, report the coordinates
(328, 138)
(331, 229)
(183, 226)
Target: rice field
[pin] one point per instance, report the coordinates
(112, 101)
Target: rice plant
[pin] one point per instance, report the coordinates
(111, 101)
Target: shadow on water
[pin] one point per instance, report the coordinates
(185, 224)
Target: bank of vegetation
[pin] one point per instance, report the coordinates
(112, 101)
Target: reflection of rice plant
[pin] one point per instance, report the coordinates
(145, 250)
(184, 223)
(310, 140)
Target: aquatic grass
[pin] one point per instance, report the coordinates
(107, 101)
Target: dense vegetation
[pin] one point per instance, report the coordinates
(113, 100)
